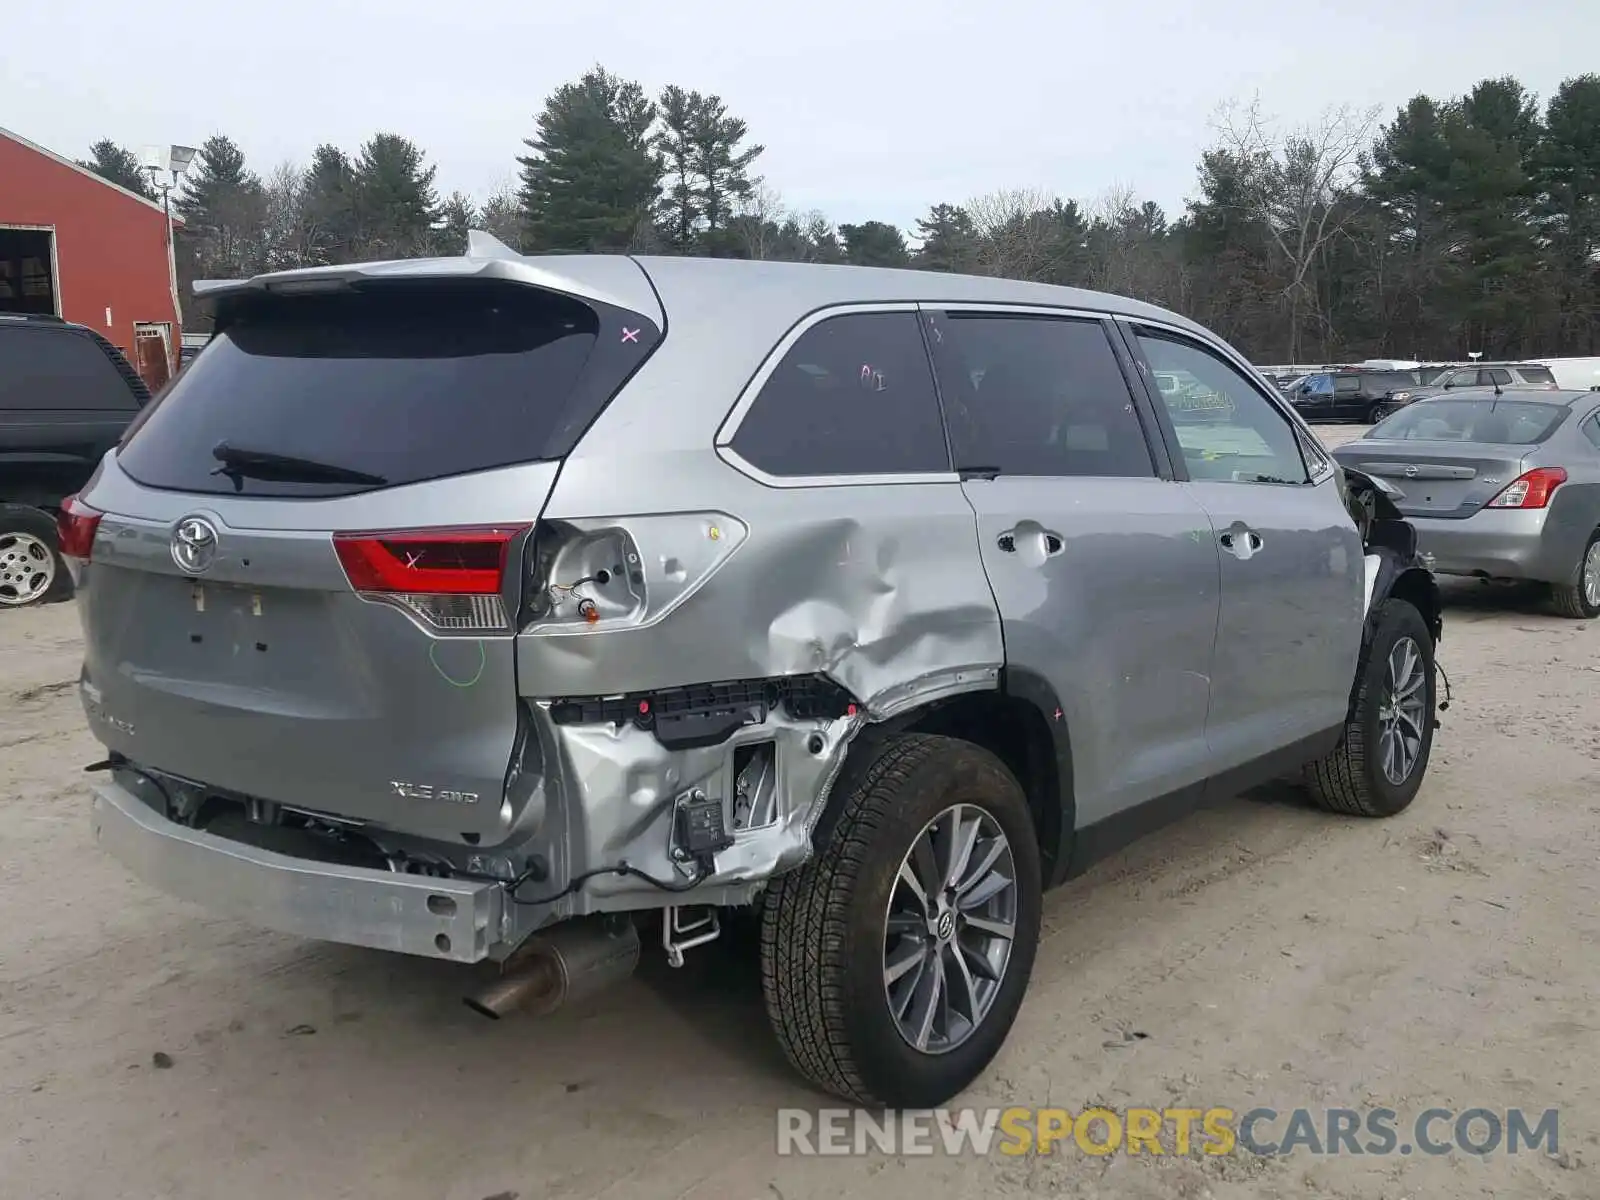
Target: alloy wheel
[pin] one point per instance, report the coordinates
(27, 569)
(1402, 711)
(949, 929)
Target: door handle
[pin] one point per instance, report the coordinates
(1050, 542)
(1241, 543)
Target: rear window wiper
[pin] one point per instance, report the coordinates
(240, 462)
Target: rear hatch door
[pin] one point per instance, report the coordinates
(306, 581)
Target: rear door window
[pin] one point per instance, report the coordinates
(1045, 396)
(1499, 376)
(854, 395)
(1346, 385)
(402, 382)
(44, 368)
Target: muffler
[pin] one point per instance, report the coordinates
(571, 961)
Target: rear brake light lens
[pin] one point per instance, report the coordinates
(1531, 489)
(76, 525)
(449, 579)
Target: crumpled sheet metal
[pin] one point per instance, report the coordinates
(891, 604)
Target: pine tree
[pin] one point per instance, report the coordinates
(224, 209)
(874, 244)
(329, 203)
(591, 177)
(947, 237)
(396, 207)
(118, 164)
(457, 218)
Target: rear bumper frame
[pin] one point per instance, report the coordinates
(453, 919)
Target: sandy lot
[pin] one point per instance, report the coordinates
(1258, 953)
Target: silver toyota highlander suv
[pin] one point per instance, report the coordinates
(501, 607)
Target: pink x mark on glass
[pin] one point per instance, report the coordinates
(629, 335)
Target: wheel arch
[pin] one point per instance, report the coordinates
(1415, 585)
(1021, 723)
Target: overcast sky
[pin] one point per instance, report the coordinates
(868, 108)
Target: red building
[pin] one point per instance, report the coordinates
(82, 248)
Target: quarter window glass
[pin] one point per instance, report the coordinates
(1041, 396)
(853, 396)
(1537, 375)
(1242, 437)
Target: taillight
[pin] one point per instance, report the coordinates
(1532, 489)
(76, 525)
(450, 579)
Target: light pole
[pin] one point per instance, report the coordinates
(174, 161)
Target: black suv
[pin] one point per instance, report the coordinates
(1363, 394)
(66, 395)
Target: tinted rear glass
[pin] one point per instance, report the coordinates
(1509, 422)
(1536, 374)
(404, 381)
(43, 368)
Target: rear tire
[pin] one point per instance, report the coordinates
(849, 968)
(1379, 412)
(1579, 598)
(31, 568)
(1378, 765)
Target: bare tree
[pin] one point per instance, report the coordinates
(757, 225)
(288, 236)
(1010, 242)
(1296, 185)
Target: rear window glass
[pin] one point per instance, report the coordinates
(1512, 422)
(52, 369)
(399, 382)
(1536, 374)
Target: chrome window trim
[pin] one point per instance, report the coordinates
(743, 465)
(1003, 308)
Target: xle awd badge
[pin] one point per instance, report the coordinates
(426, 791)
(194, 545)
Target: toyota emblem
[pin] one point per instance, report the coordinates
(194, 545)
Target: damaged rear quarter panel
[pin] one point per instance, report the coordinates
(878, 586)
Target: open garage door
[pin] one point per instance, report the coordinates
(27, 271)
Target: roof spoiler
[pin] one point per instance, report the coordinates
(486, 258)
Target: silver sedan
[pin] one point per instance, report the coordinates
(1499, 485)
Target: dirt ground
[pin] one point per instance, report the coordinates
(1258, 953)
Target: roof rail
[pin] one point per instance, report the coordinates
(44, 318)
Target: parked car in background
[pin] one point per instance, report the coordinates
(1352, 394)
(66, 396)
(1491, 375)
(495, 607)
(1499, 485)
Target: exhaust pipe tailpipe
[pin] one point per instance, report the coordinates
(568, 962)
